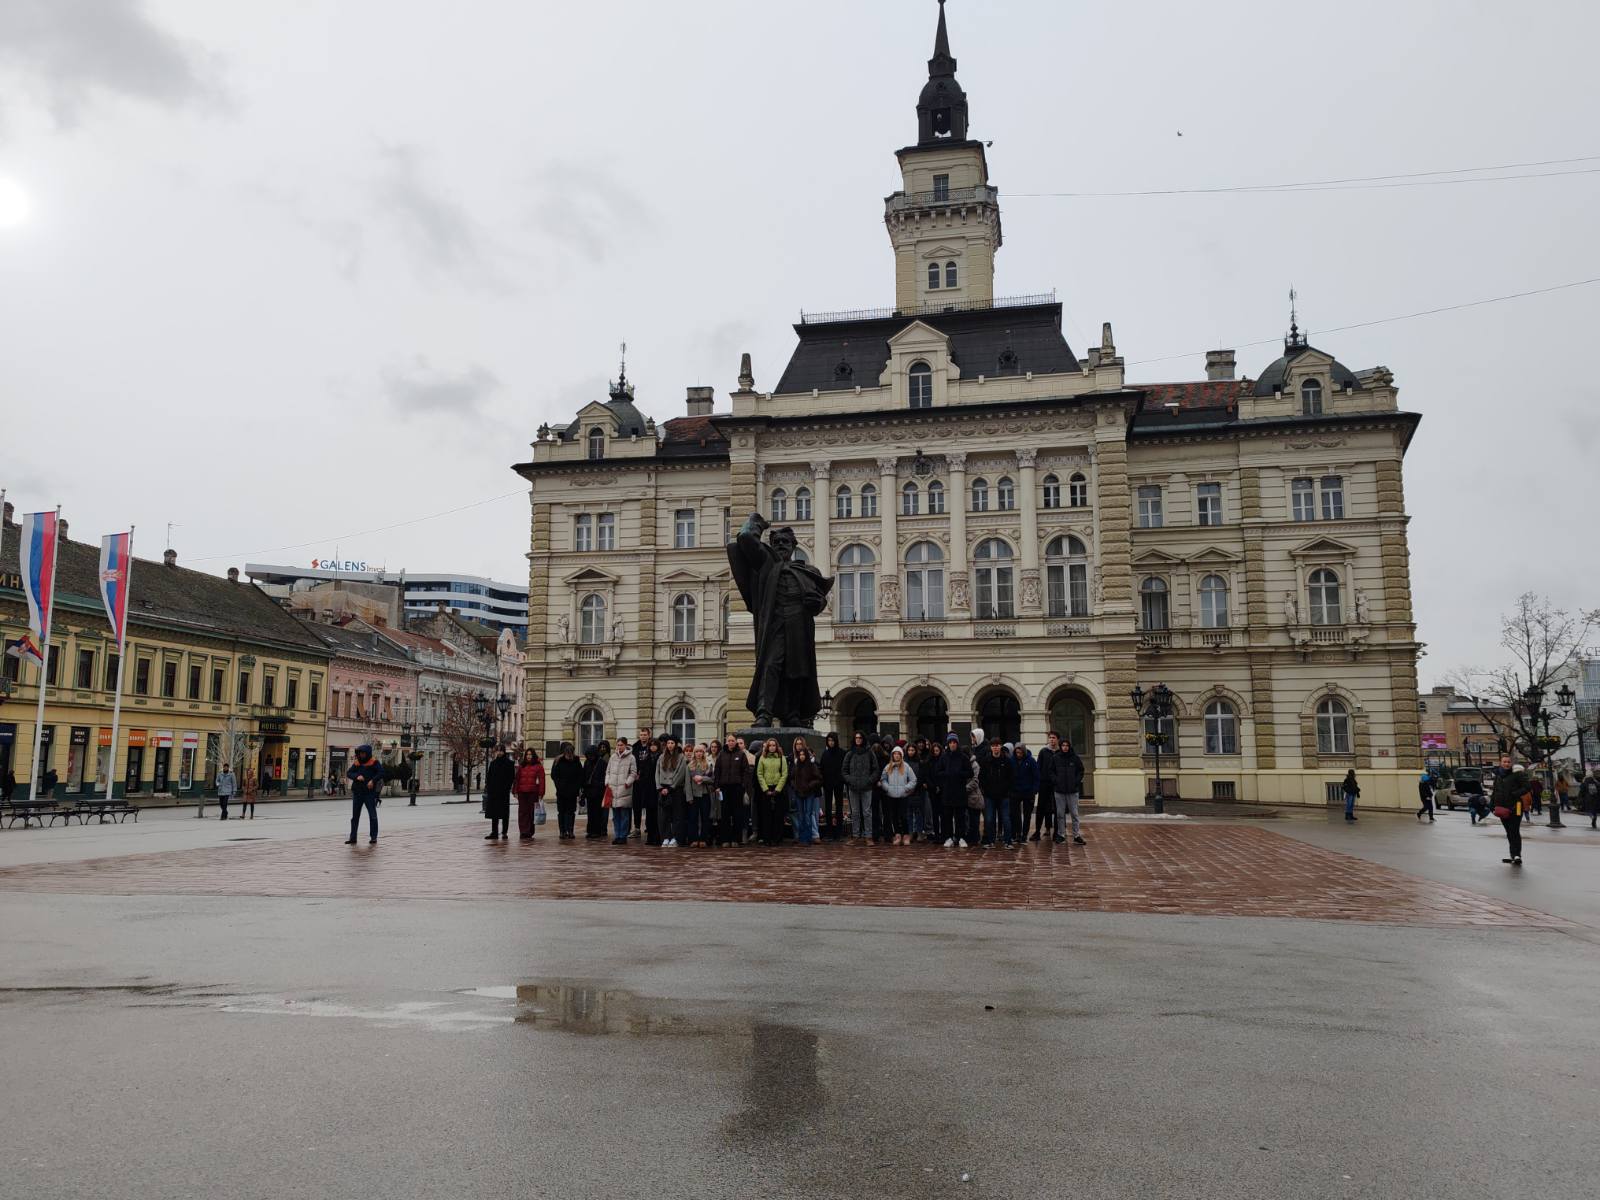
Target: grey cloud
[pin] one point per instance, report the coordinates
(442, 236)
(72, 51)
(585, 209)
(417, 388)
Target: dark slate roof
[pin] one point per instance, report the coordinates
(838, 355)
(630, 420)
(175, 597)
(1272, 378)
(358, 640)
(692, 437)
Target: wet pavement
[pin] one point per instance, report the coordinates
(252, 1019)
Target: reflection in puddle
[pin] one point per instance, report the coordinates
(586, 1009)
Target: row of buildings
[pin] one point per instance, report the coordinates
(1019, 535)
(282, 688)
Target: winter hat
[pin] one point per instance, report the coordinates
(953, 740)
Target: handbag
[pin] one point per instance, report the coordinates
(538, 812)
(605, 800)
(974, 795)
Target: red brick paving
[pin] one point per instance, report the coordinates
(1200, 869)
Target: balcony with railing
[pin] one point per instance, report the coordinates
(915, 310)
(1059, 628)
(1328, 635)
(1216, 639)
(922, 631)
(994, 629)
(943, 198)
(1155, 639)
(853, 632)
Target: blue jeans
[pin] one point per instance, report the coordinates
(805, 830)
(621, 819)
(996, 817)
(1349, 804)
(370, 803)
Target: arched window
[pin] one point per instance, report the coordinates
(589, 729)
(1222, 728)
(680, 724)
(855, 585)
(592, 620)
(995, 594)
(921, 385)
(1052, 492)
(1005, 493)
(597, 442)
(910, 500)
(980, 495)
(1163, 728)
(1077, 491)
(780, 505)
(1333, 727)
(924, 582)
(933, 277)
(1153, 604)
(802, 504)
(1067, 577)
(936, 497)
(1325, 606)
(843, 502)
(800, 555)
(1311, 398)
(684, 610)
(950, 275)
(1213, 602)
(869, 500)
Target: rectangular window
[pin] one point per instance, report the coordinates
(52, 659)
(1303, 499)
(606, 528)
(85, 678)
(269, 688)
(1150, 507)
(316, 694)
(141, 677)
(683, 529)
(941, 187)
(216, 685)
(293, 698)
(1208, 503)
(113, 664)
(12, 669)
(936, 498)
(169, 679)
(244, 687)
(194, 681)
(583, 532)
(1332, 498)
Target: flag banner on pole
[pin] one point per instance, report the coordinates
(114, 549)
(24, 647)
(38, 559)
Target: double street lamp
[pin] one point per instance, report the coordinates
(1154, 706)
(1546, 744)
(489, 712)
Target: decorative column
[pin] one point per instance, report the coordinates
(889, 557)
(821, 514)
(1031, 599)
(957, 600)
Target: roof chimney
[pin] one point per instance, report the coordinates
(9, 509)
(169, 557)
(233, 574)
(61, 530)
(700, 400)
(1219, 364)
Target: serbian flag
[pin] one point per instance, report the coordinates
(24, 647)
(38, 559)
(114, 569)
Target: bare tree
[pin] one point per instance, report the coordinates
(233, 748)
(460, 730)
(1540, 641)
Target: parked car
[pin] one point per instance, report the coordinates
(1466, 789)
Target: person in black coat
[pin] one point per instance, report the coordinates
(594, 790)
(995, 775)
(1061, 780)
(951, 776)
(497, 786)
(566, 774)
(832, 764)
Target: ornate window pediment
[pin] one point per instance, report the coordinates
(1323, 547)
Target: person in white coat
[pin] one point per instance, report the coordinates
(622, 772)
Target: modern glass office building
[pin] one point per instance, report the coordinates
(501, 605)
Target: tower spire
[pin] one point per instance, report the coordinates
(1294, 338)
(941, 45)
(942, 107)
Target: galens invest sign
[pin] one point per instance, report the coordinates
(338, 564)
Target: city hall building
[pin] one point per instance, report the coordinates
(1018, 535)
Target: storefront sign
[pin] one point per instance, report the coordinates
(137, 738)
(191, 741)
(80, 735)
(1433, 741)
(10, 579)
(164, 739)
(8, 734)
(272, 726)
(105, 735)
(338, 564)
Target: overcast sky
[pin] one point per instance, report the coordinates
(293, 270)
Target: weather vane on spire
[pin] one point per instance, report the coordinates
(622, 371)
(1294, 320)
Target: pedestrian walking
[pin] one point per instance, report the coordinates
(899, 781)
(1062, 779)
(772, 777)
(1555, 802)
(672, 781)
(1425, 794)
(995, 776)
(1563, 793)
(1510, 798)
(860, 771)
(530, 792)
(805, 781)
(595, 761)
(1352, 792)
(247, 794)
(1589, 797)
(227, 784)
(1024, 787)
(831, 762)
(566, 774)
(498, 782)
(366, 786)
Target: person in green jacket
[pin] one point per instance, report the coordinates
(772, 775)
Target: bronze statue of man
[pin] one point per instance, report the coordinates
(784, 597)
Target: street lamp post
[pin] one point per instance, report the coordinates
(1155, 704)
(1545, 745)
(480, 709)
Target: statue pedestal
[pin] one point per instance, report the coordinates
(755, 737)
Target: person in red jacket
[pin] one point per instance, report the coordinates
(530, 790)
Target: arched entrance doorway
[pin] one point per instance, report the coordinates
(927, 716)
(1072, 716)
(853, 711)
(999, 711)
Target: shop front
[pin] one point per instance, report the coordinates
(8, 749)
(160, 776)
(133, 776)
(77, 781)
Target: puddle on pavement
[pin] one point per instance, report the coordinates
(588, 1009)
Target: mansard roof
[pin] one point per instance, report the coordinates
(1272, 378)
(693, 437)
(979, 337)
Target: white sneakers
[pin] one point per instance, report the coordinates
(670, 844)
(962, 843)
(949, 843)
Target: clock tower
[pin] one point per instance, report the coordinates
(944, 223)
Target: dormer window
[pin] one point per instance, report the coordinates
(950, 275)
(597, 443)
(844, 372)
(921, 385)
(1007, 362)
(933, 277)
(1311, 398)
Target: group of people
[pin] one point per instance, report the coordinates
(876, 790)
(1517, 796)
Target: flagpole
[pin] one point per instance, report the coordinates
(44, 658)
(122, 665)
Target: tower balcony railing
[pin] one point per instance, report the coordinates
(933, 306)
(982, 194)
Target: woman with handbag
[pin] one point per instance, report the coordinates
(1510, 800)
(530, 793)
(622, 772)
(594, 789)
